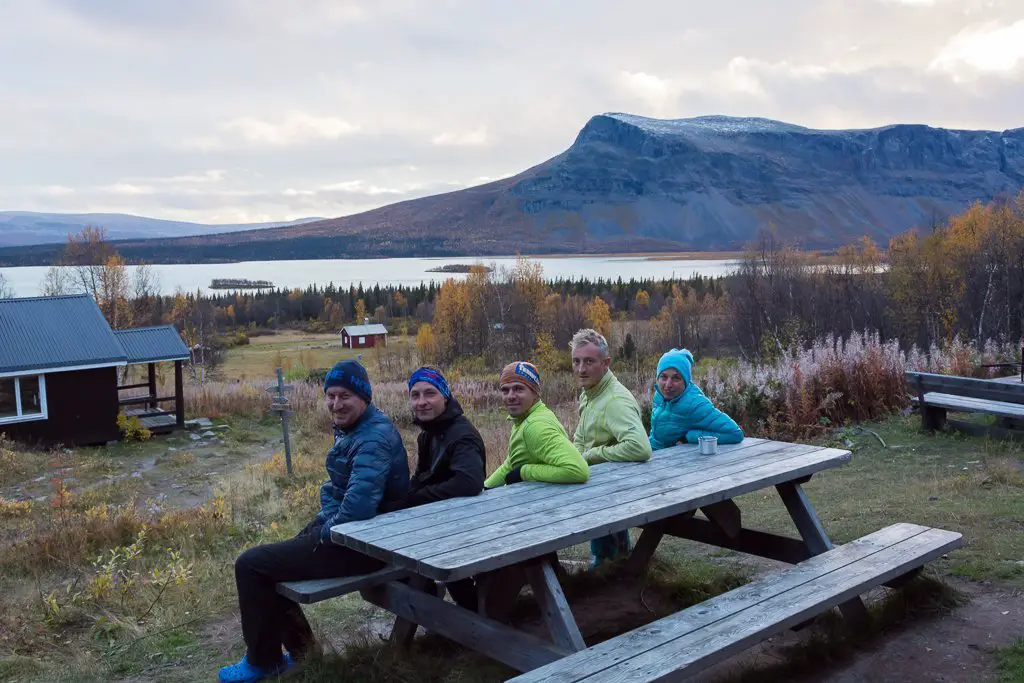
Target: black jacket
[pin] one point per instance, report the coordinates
(450, 460)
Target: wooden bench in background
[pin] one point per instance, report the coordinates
(680, 645)
(936, 395)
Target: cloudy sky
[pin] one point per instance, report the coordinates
(230, 111)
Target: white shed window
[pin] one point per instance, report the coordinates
(362, 340)
(22, 398)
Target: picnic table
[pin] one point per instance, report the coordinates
(510, 536)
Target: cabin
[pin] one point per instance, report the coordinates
(364, 336)
(60, 368)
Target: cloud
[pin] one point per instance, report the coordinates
(361, 187)
(476, 137)
(127, 189)
(293, 128)
(982, 49)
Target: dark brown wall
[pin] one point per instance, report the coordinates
(82, 409)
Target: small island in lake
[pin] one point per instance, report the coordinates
(457, 268)
(240, 283)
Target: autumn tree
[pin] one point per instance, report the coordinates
(599, 316)
(89, 264)
(426, 345)
(360, 312)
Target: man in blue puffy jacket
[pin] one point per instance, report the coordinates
(368, 469)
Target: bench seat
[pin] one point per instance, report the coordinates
(680, 645)
(966, 404)
(315, 590)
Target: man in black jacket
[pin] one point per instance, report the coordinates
(450, 456)
(450, 451)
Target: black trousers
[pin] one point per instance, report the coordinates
(270, 620)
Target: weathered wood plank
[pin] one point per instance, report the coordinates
(726, 516)
(648, 479)
(643, 551)
(308, 592)
(554, 607)
(580, 505)
(597, 473)
(750, 541)
(685, 656)
(967, 386)
(495, 552)
(517, 649)
(813, 533)
(662, 650)
(403, 631)
(531, 494)
(974, 405)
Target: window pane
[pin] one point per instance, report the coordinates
(8, 400)
(31, 404)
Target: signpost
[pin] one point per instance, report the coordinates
(281, 407)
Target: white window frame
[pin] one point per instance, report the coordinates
(34, 417)
(362, 340)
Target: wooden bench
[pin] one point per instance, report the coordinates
(938, 394)
(316, 590)
(683, 644)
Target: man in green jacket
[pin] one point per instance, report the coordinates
(539, 448)
(610, 427)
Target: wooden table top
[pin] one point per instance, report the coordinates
(460, 537)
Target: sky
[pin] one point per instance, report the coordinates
(228, 111)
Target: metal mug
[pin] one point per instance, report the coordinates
(708, 445)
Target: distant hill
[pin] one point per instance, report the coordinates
(630, 184)
(20, 228)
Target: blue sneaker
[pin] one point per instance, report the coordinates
(244, 672)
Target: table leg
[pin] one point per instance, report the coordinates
(726, 517)
(816, 540)
(404, 631)
(644, 549)
(553, 605)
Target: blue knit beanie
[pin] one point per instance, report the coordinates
(679, 359)
(433, 377)
(352, 376)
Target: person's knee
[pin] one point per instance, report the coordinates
(249, 561)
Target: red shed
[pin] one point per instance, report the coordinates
(364, 336)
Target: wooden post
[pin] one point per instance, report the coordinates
(152, 386)
(179, 395)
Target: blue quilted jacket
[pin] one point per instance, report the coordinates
(367, 466)
(689, 415)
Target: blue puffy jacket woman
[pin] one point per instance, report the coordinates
(681, 412)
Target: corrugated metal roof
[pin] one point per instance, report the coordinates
(364, 330)
(43, 333)
(152, 344)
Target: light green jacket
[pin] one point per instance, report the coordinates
(610, 427)
(541, 445)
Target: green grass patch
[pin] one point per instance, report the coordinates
(1011, 663)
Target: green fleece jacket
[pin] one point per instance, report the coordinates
(541, 445)
(610, 427)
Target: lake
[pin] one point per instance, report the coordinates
(406, 271)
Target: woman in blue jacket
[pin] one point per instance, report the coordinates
(681, 412)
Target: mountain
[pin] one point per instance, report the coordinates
(19, 228)
(631, 184)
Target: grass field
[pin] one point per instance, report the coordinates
(64, 622)
(293, 351)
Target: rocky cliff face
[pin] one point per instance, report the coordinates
(630, 183)
(711, 182)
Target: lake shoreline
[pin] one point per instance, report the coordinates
(409, 272)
